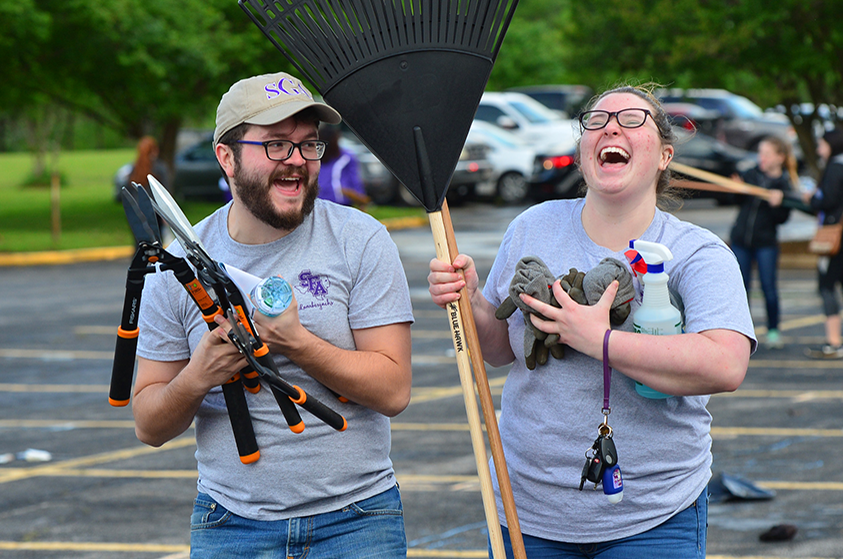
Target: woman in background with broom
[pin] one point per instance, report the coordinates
(549, 417)
(754, 234)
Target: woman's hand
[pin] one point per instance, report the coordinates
(445, 281)
(579, 326)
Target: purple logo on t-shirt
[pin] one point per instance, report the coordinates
(314, 284)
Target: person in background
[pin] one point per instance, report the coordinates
(148, 163)
(827, 202)
(320, 493)
(225, 189)
(339, 177)
(549, 416)
(754, 236)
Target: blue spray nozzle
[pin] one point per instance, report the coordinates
(653, 254)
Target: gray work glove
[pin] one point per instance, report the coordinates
(533, 277)
(600, 277)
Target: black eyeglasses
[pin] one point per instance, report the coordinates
(281, 150)
(627, 118)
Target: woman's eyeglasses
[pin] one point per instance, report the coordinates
(627, 118)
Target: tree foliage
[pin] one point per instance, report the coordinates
(775, 53)
(138, 66)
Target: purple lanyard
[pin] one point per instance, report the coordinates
(607, 373)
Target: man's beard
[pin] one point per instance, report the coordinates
(253, 191)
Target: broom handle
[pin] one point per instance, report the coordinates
(446, 250)
(728, 185)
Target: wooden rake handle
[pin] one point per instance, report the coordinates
(715, 183)
(469, 355)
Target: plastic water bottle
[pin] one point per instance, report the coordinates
(272, 296)
(656, 315)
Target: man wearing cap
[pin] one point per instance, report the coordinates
(319, 493)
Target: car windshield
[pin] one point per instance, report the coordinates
(500, 138)
(744, 108)
(534, 112)
(734, 106)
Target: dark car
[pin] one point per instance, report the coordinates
(472, 170)
(555, 176)
(568, 99)
(197, 173)
(709, 154)
(693, 118)
(744, 123)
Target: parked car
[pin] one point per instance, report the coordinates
(380, 184)
(556, 176)
(693, 117)
(513, 162)
(473, 169)
(744, 122)
(567, 99)
(709, 154)
(197, 173)
(525, 117)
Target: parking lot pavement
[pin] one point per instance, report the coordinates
(102, 494)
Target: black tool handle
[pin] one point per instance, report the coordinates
(288, 409)
(323, 412)
(300, 397)
(123, 367)
(241, 420)
(120, 390)
(235, 398)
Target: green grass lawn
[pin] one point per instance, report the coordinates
(89, 215)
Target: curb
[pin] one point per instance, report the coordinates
(57, 257)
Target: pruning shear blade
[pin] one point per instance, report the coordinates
(140, 214)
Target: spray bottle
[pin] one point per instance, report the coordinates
(656, 315)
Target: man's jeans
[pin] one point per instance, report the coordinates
(368, 529)
(681, 537)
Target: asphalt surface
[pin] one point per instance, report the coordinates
(99, 493)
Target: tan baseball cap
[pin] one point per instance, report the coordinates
(267, 99)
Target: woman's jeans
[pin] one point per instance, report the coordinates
(681, 537)
(368, 529)
(767, 259)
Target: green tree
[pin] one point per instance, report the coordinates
(533, 49)
(137, 66)
(774, 53)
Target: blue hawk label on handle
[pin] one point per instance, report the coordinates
(272, 296)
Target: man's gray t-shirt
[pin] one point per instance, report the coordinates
(550, 416)
(346, 274)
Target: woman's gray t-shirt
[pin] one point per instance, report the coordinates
(550, 415)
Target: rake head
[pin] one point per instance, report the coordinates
(406, 75)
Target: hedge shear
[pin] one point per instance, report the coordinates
(140, 211)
